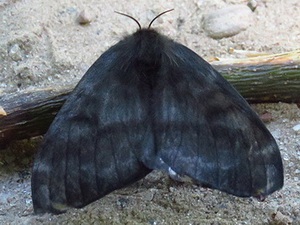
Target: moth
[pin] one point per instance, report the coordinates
(150, 103)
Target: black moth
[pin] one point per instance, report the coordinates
(149, 103)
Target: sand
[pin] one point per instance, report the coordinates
(43, 45)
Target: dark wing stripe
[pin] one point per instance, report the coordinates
(41, 180)
(87, 177)
(115, 161)
(73, 192)
(58, 167)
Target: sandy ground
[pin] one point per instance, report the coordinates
(42, 45)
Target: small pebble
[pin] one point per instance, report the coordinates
(227, 22)
(296, 128)
(266, 117)
(252, 4)
(15, 53)
(122, 202)
(149, 195)
(279, 218)
(84, 18)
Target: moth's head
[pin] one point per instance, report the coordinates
(149, 26)
(145, 46)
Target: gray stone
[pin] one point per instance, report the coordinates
(296, 127)
(15, 52)
(227, 22)
(84, 17)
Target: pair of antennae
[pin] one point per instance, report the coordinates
(140, 27)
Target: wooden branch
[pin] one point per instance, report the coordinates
(271, 78)
(29, 113)
(266, 78)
